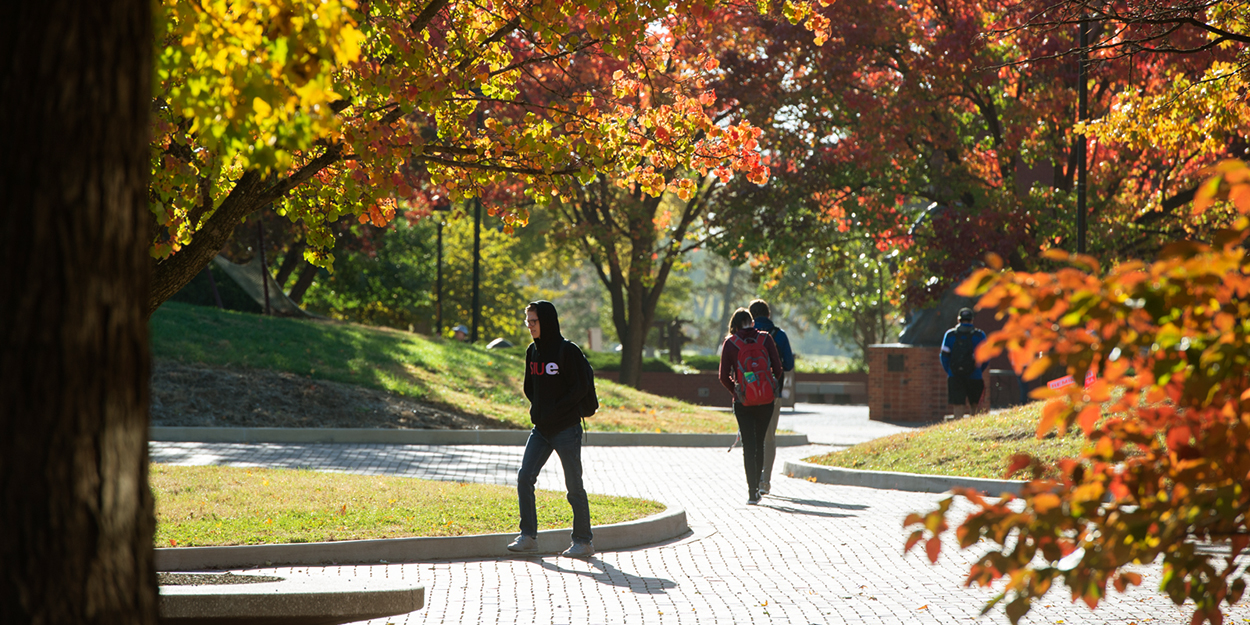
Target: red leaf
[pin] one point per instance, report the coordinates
(1179, 437)
(1090, 599)
(1088, 417)
(932, 548)
(1240, 541)
(1018, 461)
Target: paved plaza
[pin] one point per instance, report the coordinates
(811, 553)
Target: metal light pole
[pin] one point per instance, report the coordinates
(477, 251)
(477, 261)
(1082, 114)
(441, 206)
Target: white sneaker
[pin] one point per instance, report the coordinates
(523, 544)
(579, 550)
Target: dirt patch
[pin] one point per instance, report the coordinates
(198, 395)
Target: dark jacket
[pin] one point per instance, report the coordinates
(764, 324)
(554, 385)
(729, 358)
(948, 341)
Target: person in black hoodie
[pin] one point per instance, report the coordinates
(555, 383)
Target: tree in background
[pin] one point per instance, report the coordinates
(77, 513)
(956, 105)
(1163, 476)
(390, 283)
(846, 291)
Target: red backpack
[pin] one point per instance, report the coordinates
(756, 385)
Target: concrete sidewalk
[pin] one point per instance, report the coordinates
(812, 553)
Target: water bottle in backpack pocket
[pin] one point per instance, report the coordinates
(756, 385)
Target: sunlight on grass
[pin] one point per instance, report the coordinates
(444, 373)
(979, 446)
(197, 506)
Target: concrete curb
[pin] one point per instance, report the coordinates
(358, 436)
(295, 600)
(888, 480)
(618, 536)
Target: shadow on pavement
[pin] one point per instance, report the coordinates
(818, 503)
(613, 576)
(792, 510)
(772, 503)
(494, 466)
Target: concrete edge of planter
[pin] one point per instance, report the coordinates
(889, 480)
(296, 599)
(359, 436)
(656, 528)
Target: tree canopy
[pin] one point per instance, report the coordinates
(338, 108)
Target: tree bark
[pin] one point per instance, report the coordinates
(305, 280)
(294, 255)
(75, 507)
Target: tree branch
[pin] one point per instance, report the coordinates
(427, 15)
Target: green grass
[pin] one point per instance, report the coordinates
(979, 446)
(201, 506)
(464, 377)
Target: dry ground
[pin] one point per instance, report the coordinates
(193, 394)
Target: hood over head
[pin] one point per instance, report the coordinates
(549, 322)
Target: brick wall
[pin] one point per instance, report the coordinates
(696, 388)
(905, 383)
(705, 388)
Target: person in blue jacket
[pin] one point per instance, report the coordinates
(964, 376)
(762, 315)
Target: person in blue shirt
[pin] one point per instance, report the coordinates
(964, 381)
(761, 313)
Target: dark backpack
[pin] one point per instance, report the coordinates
(756, 385)
(963, 353)
(590, 402)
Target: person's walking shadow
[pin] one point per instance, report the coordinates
(612, 576)
(772, 501)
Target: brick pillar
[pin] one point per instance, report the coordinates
(905, 383)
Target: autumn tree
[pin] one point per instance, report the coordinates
(1189, 109)
(957, 106)
(76, 510)
(635, 226)
(1167, 422)
(342, 109)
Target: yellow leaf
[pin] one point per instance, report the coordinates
(1045, 502)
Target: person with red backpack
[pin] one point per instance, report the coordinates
(750, 368)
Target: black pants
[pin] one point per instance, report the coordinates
(753, 425)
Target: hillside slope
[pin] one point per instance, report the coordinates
(218, 367)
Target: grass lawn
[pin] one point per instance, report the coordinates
(200, 506)
(978, 446)
(469, 378)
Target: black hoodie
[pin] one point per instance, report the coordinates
(553, 385)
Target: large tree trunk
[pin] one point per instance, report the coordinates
(305, 280)
(76, 513)
(633, 336)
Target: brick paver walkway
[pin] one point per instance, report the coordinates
(812, 553)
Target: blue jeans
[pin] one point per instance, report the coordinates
(568, 445)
